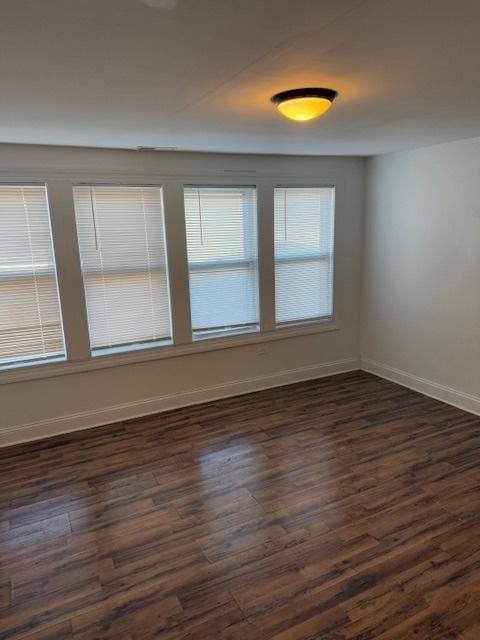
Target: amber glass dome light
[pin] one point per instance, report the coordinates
(304, 104)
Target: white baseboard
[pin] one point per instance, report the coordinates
(459, 399)
(106, 415)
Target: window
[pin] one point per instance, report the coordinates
(123, 256)
(30, 319)
(303, 219)
(221, 225)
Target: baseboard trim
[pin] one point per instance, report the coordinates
(128, 410)
(459, 399)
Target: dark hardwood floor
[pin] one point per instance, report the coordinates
(344, 508)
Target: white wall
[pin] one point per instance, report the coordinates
(33, 408)
(421, 279)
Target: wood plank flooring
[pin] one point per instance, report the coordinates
(346, 508)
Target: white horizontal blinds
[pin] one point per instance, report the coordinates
(30, 317)
(304, 219)
(123, 256)
(221, 225)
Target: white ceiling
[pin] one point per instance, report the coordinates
(198, 74)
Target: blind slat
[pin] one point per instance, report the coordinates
(30, 318)
(123, 256)
(303, 221)
(221, 224)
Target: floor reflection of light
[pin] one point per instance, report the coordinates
(302, 480)
(224, 456)
(223, 475)
(294, 484)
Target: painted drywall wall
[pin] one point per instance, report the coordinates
(421, 270)
(34, 408)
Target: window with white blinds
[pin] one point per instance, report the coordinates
(30, 318)
(304, 220)
(221, 224)
(124, 265)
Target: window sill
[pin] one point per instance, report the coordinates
(24, 366)
(227, 333)
(129, 349)
(54, 369)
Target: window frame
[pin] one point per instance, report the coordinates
(28, 362)
(128, 347)
(330, 317)
(60, 185)
(253, 329)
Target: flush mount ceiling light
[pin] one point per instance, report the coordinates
(304, 104)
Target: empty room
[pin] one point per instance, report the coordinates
(239, 320)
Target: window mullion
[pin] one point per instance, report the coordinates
(69, 272)
(266, 263)
(178, 277)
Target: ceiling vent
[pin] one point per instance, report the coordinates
(141, 148)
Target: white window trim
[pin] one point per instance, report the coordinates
(79, 358)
